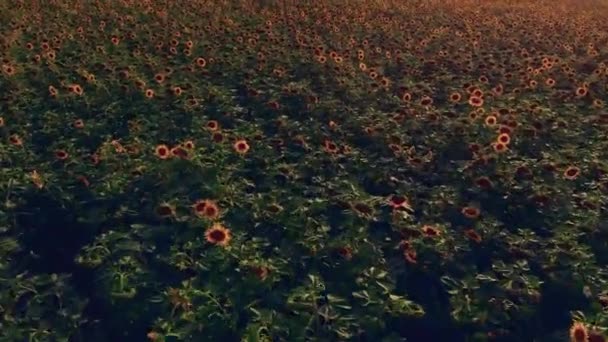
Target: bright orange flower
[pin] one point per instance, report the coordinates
(578, 332)
(207, 209)
(470, 212)
(162, 151)
(473, 235)
(572, 172)
(218, 235)
(504, 138)
(241, 146)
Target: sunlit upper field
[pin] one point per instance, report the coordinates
(303, 170)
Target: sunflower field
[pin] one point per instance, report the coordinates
(242, 170)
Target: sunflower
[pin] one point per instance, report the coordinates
(504, 138)
(455, 97)
(410, 255)
(219, 235)
(61, 155)
(179, 152)
(572, 172)
(330, 147)
(207, 209)
(213, 125)
(472, 235)
(201, 62)
(483, 182)
(162, 151)
(79, 123)
(470, 212)
(241, 146)
(490, 121)
(188, 144)
(430, 231)
(399, 202)
(499, 147)
(476, 101)
(578, 332)
(165, 210)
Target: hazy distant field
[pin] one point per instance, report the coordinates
(303, 170)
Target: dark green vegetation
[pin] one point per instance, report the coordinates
(188, 171)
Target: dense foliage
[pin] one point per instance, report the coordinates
(201, 171)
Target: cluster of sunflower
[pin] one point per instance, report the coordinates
(207, 170)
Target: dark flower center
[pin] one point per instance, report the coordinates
(217, 235)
